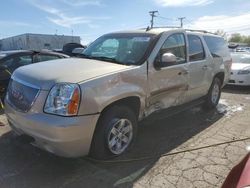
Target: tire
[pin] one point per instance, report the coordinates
(213, 95)
(115, 133)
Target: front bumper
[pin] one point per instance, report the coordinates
(63, 136)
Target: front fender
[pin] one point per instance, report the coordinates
(101, 92)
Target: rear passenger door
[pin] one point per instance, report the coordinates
(200, 68)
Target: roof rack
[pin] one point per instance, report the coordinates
(178, 27)
(167, 27)
(202, 31)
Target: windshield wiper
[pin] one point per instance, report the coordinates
(102, 58)
(84, 56)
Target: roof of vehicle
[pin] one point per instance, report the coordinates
(6, 53)
(13, 52)
(159, 30)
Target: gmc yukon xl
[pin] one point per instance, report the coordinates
(91, 105)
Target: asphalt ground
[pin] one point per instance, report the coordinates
(194, 148)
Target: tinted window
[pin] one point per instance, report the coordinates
(17, 61)
(41, 57)
(196, 50)
(175, 44)
(217, 46)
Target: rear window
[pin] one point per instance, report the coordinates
(217, 46)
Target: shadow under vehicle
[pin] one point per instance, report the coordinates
(25, 166)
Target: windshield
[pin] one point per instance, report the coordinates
(241, 58)
(128, 49)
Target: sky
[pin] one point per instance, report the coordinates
(90, 19)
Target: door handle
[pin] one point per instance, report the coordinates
(205, 67)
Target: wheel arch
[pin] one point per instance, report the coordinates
(133, 102)
(221, 76)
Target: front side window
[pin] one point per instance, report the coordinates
(176, 45)
(129, 49)
(196, 50)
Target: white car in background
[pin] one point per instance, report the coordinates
(240, 73)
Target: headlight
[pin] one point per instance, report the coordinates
(63, 99)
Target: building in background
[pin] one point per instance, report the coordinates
(31, 41)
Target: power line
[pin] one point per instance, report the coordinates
(165, 18)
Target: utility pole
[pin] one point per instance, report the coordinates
(181, 21)
(152, 14)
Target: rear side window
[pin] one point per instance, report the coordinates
(217, 46)
(45, 57)
(17, 61)
(196, 50)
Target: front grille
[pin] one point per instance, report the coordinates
(21, 96)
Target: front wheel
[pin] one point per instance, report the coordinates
(214, 94)
(115, 133)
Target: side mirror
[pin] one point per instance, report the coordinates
(168, 58)
(76, 51)
(165, 60)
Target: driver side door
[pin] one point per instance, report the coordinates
(168, 85)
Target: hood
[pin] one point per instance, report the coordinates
(240, 66)
(72, 70)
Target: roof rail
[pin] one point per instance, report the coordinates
(177, 27)
(202, 31)
(167, 27)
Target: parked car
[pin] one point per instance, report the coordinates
(240, 73)
(69, 49)
(91, 105)
(239, 176)
(11, 60)
(241, 50)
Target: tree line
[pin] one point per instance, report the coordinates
(235, 37)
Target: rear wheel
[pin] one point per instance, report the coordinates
(115, 133)
(214, 94)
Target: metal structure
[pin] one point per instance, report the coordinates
(31, 41)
